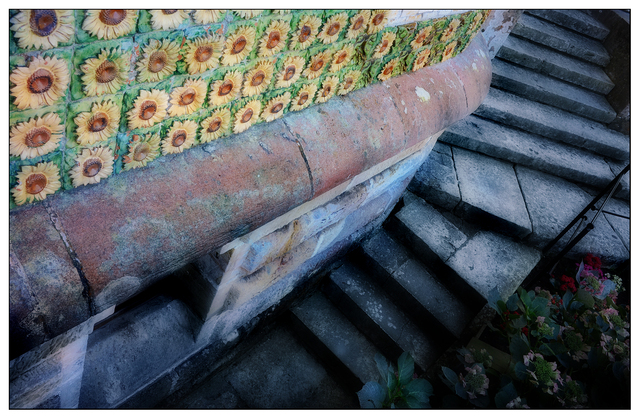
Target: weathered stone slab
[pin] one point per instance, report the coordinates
(575, 20)
(491, 260)
(549, 62)
(550, 91)
(500, 141)
(436, 179)
(561, 39)
(550, 122)
(490, 193)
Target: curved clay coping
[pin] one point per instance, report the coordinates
(82, 251)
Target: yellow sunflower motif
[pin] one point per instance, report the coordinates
(257, 80)
(348, 82)
(332, 28)
(379, 19)
(36, 137)
(316, 65)
(387, 70)
(449, 50)
(92, 165)
(307, 32)
(43, 82)
(358, 24)
(281, 11)
(203, 53)
(225, 90)
(215, 125)
(450, 31)
(203, 17)
(423, 37)
(476, 21)
(180, 137)
(341, 58)
(43, 29)
(187, 98)
(238, 45)
(105, 74)
(109, 24)
(275, 107)
(158, 60)
(421, 59)
(385, 44)
(98, 125)
(274, 38)
(304, 97)
(329, 87)
(291, 71)
(247, 116)
(167, 19)
(248, 14)
(142, 152)
(149, 108)
(36, 182)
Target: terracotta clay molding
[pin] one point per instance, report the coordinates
(83, 251)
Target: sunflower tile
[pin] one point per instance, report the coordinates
(105, 114)
(37, 134)
(208, 16)
(78, 161)
(357, 25)
(51, 29)
(225, 85)
(97, 25)
(201, 49)
(378, 21)
(155, 20)
(303, 94)
(245, 114)
(318, 62)
(142, 150)
(258, 76)
(159, 89)
(272, 35)
(241, 41)
(334, 26)
(215, 124)
(275, 104)
(288, 69)
(16, 168)
(305, 28)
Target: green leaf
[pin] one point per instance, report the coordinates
(450, 375)
(372, 395)
(385, 370)
(405, 368)
(505, 395)
(417, 393)
(566, 299)
(585, 298)
(521, 371)
(524, 297)
(519, 347)
(520, 322)
(512, 302)
(494, 299)
(539, 306)
(460, 392)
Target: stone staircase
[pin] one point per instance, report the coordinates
(496, 188)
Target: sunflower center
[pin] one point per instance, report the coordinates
(347, 83)
(358, 23)
(147, 110)
(203, 53)
(277, 107)
(91, 167)
(238, 45)
(289, 72)
(179, 137)
(157, 61)
(421, 37)
(98, 122)
(106, 72)
(378, 19)
(388, 70)
(420, 59)
(37, 137)
(304, 96)
(305, 33)
(246, 116)
(187, 97)
(317, 65)
(141, 152)
(333, 29)
(169, 12)
(326, 91)
(225, 88)
(274, 39)
(384, 45)
(341, 57)
(43, 22)
(214, 125)
(112, 17)
(258, 78)
(35, 183)
(40, 81)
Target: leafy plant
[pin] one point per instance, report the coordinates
(396, 388)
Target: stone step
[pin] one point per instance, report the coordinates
(553, 202)
(436, 180)
(510, 109)
(549, 62)
(539, 153)
(335, 340)
(406, 280)
(490, 194)
(373, 312)
(551, 91)
(575, 20)
(560, 39)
